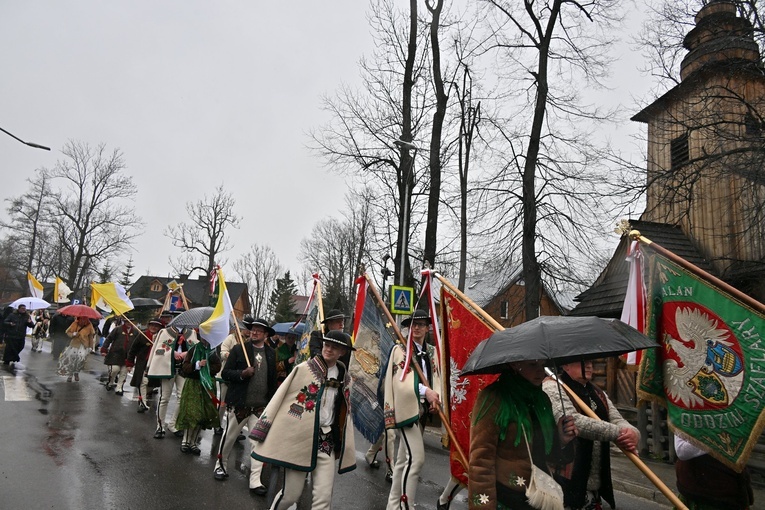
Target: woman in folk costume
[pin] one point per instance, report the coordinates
(307, 425)
(83, 339)
(513, 426)
(587, 480)
(407, 401)
(164, 365)
(196, 410)
(115, 351)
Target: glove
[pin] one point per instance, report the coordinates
(129, 363)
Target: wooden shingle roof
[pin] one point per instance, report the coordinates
(605, 298)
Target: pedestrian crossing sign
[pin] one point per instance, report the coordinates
(401, 301)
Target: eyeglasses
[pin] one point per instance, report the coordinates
(420, 324)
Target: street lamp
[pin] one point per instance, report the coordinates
(35, 145)
(404, 234)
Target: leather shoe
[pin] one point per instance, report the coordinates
(389, 476)
(259, 491)
(218, 431)
(142, 408)
(178, 433)
(185, 448)
(120, 393)
(440, 506)
(219, 474)
(195, 450)
(241, 437)
(159, 434)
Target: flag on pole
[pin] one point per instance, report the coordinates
(373, 338)
(463, 331)
(110, 297)
(311, 321)
(425, 293)
(61, 291)
(35, 287)
(217, 327)
(710, 373)
(633, 312)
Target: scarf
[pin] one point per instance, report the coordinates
(518, 398)
(203, 353)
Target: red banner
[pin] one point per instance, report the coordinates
(462, 332)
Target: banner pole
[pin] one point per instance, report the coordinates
(748, 300)
(461, 454)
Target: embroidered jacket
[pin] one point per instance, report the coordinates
(162, 363)
(288, 434)
(402, 398)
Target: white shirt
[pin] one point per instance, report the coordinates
(327, 411)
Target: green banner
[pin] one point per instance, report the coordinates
(710, 373)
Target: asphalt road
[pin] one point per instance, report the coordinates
(76, 446)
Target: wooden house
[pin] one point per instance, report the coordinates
(196, 291)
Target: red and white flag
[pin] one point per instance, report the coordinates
(634, 309)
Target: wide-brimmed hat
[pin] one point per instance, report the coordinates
(334, 315)
(248, 321)
(262, 323)
(340, 338)
(417, 315)
(156, 322)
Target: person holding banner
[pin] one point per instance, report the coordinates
(705, 483)
(407, 401)
(307, 425)
(513, 427)
(587, 480)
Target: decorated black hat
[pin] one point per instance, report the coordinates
(156, 322)
(334, 315)
(417, 315)
(339, 338)
(248, 320)
(262, 323)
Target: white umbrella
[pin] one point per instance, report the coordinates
(32, 303)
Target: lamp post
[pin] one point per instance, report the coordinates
(404, 234)
(35, 145)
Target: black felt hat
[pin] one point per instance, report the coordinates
(262, 323)
(339, 338)
(334, 315)
(417, 315)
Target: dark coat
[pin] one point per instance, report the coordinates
(117, 345)
(16, 325)
(236, 394)
(138, 357)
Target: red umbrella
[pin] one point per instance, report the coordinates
(80, 311)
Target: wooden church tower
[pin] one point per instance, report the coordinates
(706, 148)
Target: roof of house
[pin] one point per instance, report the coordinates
(605, 298)
(194, 290)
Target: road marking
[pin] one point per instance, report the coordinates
(16, 390)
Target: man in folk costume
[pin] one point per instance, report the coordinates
(407, 400)
(138, 357)
(225, 348)
(334, 321)
(250, 387)
(307, 425)
(165, 360)
(115, 351)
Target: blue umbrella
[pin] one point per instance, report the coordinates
(282, 328)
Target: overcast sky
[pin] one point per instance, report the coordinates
(196, 94)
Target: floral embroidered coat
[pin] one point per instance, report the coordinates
(287, 432)
(402, 398)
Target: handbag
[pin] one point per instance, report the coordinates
(542, 491)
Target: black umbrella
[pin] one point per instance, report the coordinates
(143, 302)
(559, 339)
(194, 317)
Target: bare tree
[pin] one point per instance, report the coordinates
(91, 215)
(29, 215)
(204, 238)
(259, 268)
(552, 181)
